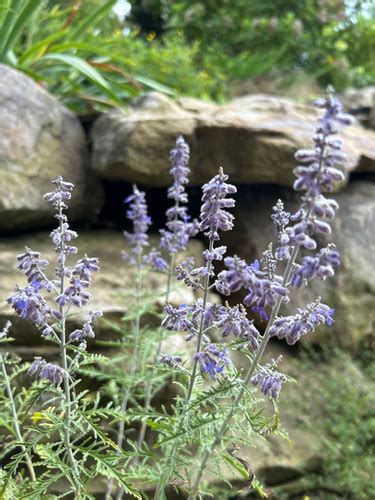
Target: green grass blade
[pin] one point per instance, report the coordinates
(39, 47)
(152, 84)
(17, 29)
(10, 17)
(91, 21)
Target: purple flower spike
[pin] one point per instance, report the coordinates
(30, 305)
(179, 227)
(321, 266)
(214, 215)
(34, 266)
(233, 321)
(155, 260)
(179, 170)
(137, 214)
(170, 360)
(86, 332)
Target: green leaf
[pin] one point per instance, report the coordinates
(152, 84)
(85, 69)
(9, 20)
(91, 21)
(16, 31)
(40, 47)
(108, 464)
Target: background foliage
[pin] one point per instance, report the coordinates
(92, 57)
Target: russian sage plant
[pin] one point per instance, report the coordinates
(64, 435)
(266, 288)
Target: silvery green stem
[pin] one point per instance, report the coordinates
(164, 478)
(15, 420)
(64, 362)
(201, 324)
(133, 367)
(158, 352)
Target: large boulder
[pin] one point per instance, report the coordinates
(40, 139)
(253, 138)
(352, 291)
(110, 287)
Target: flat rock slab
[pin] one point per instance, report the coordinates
(253, 138)
(109, 286)
(39, 140)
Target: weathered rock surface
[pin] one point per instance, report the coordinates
(361, 102)
(39, 140)
(352, 291)
(253, 138)
(109, 286)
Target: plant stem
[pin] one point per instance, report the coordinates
(149, 386)
(133, 367)
(15, 419)
(64, 362)
(172, 457)
(201, 324)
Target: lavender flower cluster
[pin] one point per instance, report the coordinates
(179, 227)
(44, 302)
(266, 289)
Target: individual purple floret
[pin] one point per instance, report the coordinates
(87, 331)
(47, 371)
(214, 215)
(61, 194)
(33, 266)
(171, 360)
(180, 229)
(233, 321)
(177, 319)
(291, 328)
(212, 360)
(30, 305)
(269, 380)
(155, 260)
(137, 214)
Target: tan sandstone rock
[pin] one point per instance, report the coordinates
(39, 140)
(253, 138)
